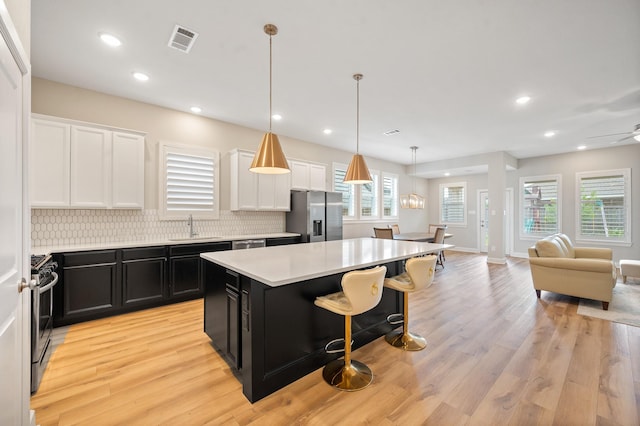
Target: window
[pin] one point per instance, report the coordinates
(369, 197)
(603, 213)
(453, 209)
(389, 195)
(348, 195)
(540, 203)
(375, 200)
(188, 182)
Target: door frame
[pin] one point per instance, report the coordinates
(10, 36)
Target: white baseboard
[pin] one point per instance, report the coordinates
(497, 260)
(521, 255)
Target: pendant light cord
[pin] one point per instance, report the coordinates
(270, 79)
(413, 176)
(358, 116)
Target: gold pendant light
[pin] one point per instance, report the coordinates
(413, 200)
(357, 173)
(269, 158)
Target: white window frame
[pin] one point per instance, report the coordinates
(464, 203)
(626, 238)
(164, 212)
(534, 179)
(356, 193)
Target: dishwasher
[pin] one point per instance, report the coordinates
(247, 244)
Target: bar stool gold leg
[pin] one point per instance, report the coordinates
(346, 374)
(403, 339)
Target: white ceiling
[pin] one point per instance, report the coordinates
(444, 73)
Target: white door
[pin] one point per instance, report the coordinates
(484, 221)
(483, 226)
(14, 362)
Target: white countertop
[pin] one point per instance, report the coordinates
(153, 242)
(280, 265)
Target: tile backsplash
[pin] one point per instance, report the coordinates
(61, 227)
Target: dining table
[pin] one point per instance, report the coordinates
(419, 236)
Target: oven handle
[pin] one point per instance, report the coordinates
(51, 284)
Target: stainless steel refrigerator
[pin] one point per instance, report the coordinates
(315, 215)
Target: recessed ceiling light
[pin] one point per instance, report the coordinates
(549, 134)
(276, 117)
(196, 109)
(110, 39)
(581, 147)
(140, 76)
(447, 174)
(327, 131)
(523, 100)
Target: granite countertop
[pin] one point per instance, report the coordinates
(154, 242)
(280, 265)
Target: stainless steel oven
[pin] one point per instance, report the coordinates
(43, 274)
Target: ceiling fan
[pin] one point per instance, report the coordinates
(635, 134)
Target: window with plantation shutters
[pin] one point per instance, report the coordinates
(369, 201)
(453, 209)
(348, 199)
(389, 195)
(369, 196)
(540, 203)
(189, 182)
(604, 211)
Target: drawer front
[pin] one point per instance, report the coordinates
(143, 253)
(232, 280)
(188, 249)
(89, 258)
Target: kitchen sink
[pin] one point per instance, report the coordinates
(198, 238)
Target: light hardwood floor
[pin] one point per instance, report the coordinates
(496, 355)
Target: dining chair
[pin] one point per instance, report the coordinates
(439, 239)
(395, 228)
(386, 233)
(433, 227)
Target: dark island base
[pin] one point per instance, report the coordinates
(272, 336)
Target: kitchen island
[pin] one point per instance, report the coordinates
(259, 310)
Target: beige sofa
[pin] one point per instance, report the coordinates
(558, 266)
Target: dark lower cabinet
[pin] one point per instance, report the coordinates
(185, 268)
(100, 283)
(144, 272)
(222, 320)
(90, 287)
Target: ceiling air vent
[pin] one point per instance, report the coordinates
(182, 39)
(391, 132)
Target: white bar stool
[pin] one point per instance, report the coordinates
(418, 275)
(361, 291)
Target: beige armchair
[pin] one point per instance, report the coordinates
(558, 266)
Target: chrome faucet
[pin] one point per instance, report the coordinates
(192, 233)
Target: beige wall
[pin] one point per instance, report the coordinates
(162, 124)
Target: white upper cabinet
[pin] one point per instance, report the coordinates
(80, 165)
(307, 176)
(253, 191)
(127, 189)
(49, 155)
(90, 167)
